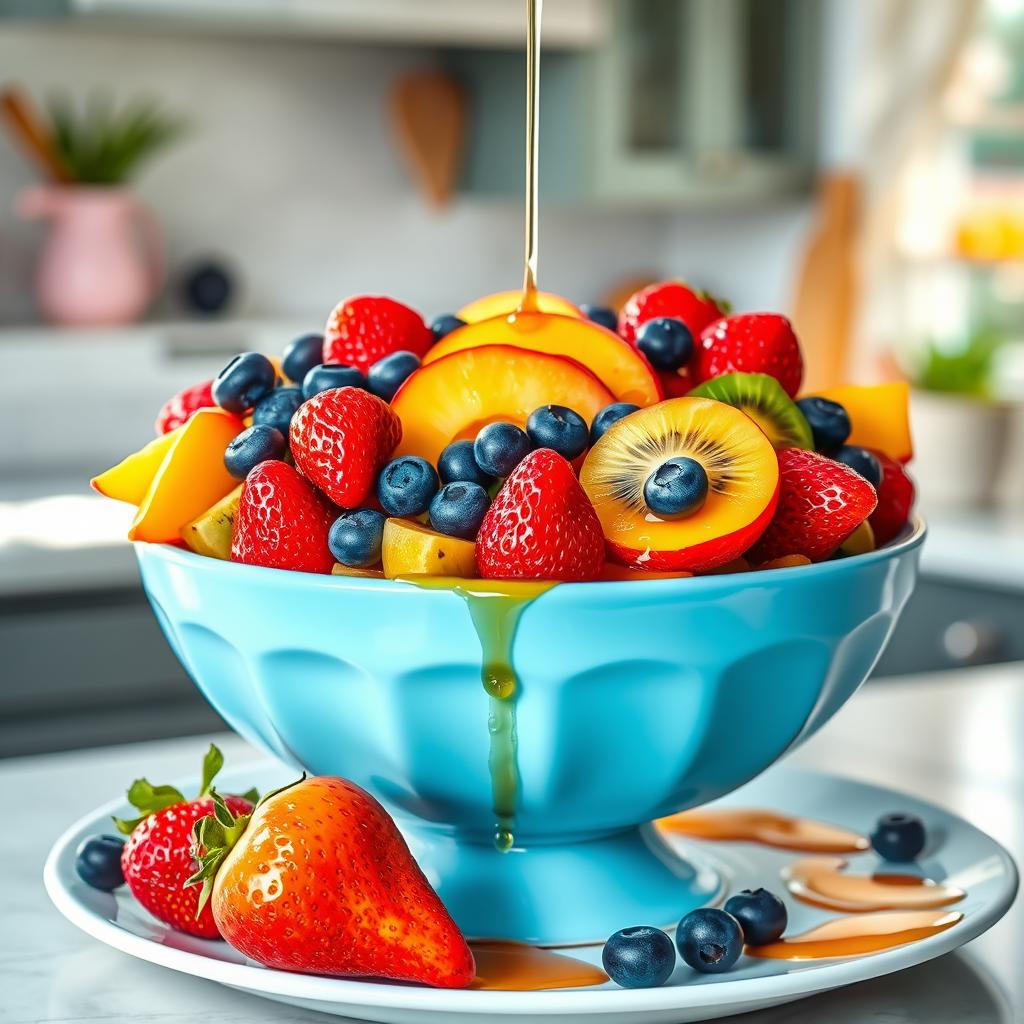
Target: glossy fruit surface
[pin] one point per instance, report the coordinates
(326, 376)
(387, 375)
(607, 416)
(98, 862)
(457, 462)
(899, 837)
(406, 486)
(355, 537)
(677, 488)
(669, 298)
(365, 328)
(861, 461)
(860, 542)
(244, 382)
(129, 480)
(500, 447)
(503, 303)
(829, 423)
(443, 325)
(750, 343)
(709, 940)
(458, 509)
(210, 532)
(410, 549)
(641, 957)
(895, 499)
(560, 429)
(879, 416)
(603, 316)
(252, 446)
(666, 341)
(301, 355)
(761, 914)
(177, 409)
(278, 408)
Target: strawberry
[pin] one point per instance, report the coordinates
(821, 502)
(282, 522)
(670, 298)
(340, 438)
(319, 880)
(895, 499)
(750, 343)
(158, 857)
(541, 525)
(365, 328)
(177, 409)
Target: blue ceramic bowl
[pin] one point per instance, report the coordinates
(633, 700)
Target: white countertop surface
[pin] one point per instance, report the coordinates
(956, 739)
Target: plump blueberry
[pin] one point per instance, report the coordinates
(301, 356)
(244, 382)
(709, 940)
(98, 862)
(640, 957)
(899, 837)
(500, 447)
(761, 914)
(862, 461)
(458, 509)
(607, 416)
(444, 325)
(457, 462)
(666, 341)
(278, 408)
(331, 375)
(255, 444)
(387, 375)
(558, 428)
(829, 423)
(406, 486)
(600, 315)
(677, 487)
(355, 537)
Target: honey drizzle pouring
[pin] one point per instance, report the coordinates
(534, 14)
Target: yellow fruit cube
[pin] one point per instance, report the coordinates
(130, 478)
(412, 550)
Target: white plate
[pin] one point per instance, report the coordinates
(958, 852)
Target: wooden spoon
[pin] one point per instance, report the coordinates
(30, 131)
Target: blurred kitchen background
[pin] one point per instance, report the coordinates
(858, 165)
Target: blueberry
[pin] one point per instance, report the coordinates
(500, 447)
(444, 325)
(458, 509)
(829, 423)
(457, 462)
(677, 488)
(387, 375)
(709, 940)
(98, 862)
(302, 355)
(761, 914)
(252, 446)
(244, 382)
(640, 957)
(355, 537)
(666, 341)
(278, 408)
(601, 315)
(558, 428)
(899, 837)
(406, 486)
(607, 416)
(862, 461)
(331, 375)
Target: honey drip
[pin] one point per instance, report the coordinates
(769, 828)
(514, 967)
(534, 13)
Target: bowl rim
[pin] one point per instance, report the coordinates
(911, 537)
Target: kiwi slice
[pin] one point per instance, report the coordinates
(210, 533)
(763, 399)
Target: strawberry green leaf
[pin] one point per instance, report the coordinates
(147, 799)
(213, 838)
(212, 764)
(252, 795)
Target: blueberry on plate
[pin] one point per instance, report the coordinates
(560, 429)
(457, 462)
(829, 423)
(443, 325)
(641, 957)
(98, 862)
(244, 382)
(600, 315)
(861, 461)
(355, 537)
(255, 444)
(899, 837)
(666, 341)
(406, 486)
(677, 488)
(761, 914)
(709, 940)
(458, 509)
(387, 375)
(609, 415)
(301, 356)
(278, 408)
(331, 375)
(500, 447)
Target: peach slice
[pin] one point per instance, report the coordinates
(619, 366)
(879, 414)
(130, 478)
(452, 398)
(503, 303)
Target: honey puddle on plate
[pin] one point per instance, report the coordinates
(515, 967)
(769, 828)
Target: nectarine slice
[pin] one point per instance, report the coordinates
(503, 303)
(743, 484)
(879, 415)
(452, 398)
(130, 478)
(620, 367)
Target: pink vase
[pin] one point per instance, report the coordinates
(102, 262)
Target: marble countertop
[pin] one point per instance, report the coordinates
(956, 739)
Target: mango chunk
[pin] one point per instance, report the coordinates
(413, 550)
(210, 533)
(879, 415)
(129, 480)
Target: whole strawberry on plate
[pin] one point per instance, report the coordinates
(158, 858)
(365, 328)
(750, 343)
(319, 880)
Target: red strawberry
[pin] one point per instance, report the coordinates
(750, 343)
(676, 383)
(895, 499)
(669, 298)
(365, 328)
(340, 438)
(541, 525)
(321, 881)
(158, 857)
(177, 409)
(282, 522)
(821, 502)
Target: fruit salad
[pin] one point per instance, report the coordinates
(548, 442)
